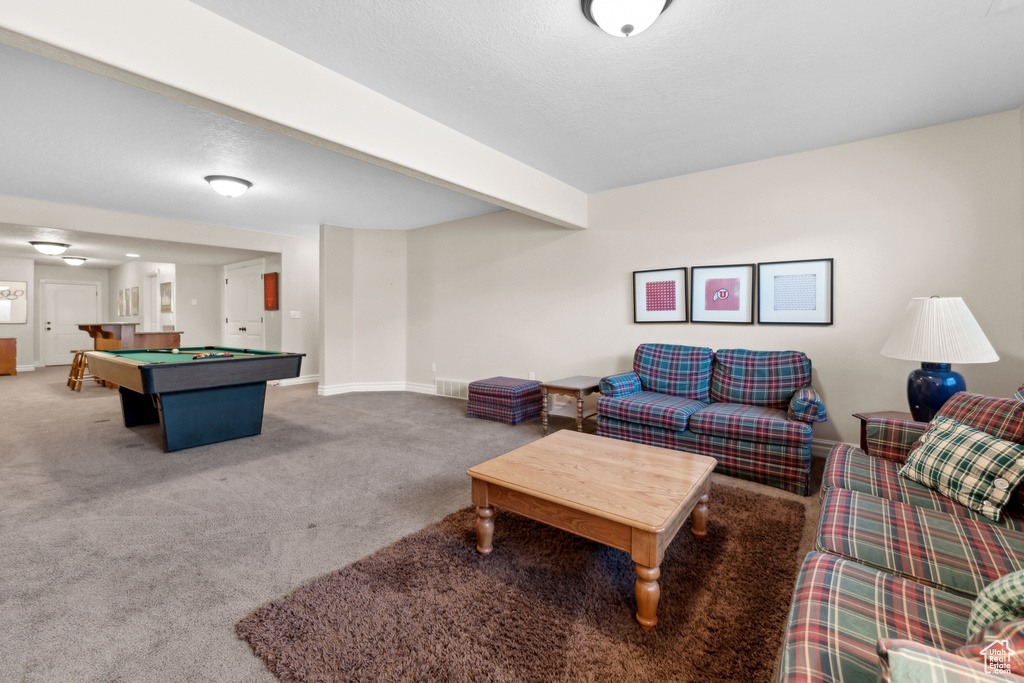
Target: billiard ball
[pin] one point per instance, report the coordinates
(175, 351)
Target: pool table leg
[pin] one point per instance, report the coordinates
(138, 409)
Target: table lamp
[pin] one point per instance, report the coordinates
(937, 331)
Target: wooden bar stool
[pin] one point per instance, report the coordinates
(79, 368)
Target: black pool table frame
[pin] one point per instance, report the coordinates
(197, 402)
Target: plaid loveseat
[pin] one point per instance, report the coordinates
(750, 410)
(893, 587)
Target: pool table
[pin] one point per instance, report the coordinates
(197, 401)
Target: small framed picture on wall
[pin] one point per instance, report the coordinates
(723, 294)
(659, 296)
(795, 292)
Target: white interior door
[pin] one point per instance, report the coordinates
(65, 307)
(243, 310)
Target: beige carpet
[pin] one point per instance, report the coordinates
(544, 606)
(122, 562)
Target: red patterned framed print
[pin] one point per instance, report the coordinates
(723, 294)
(659, 296)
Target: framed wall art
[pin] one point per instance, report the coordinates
(135, 301)
(13, 302)
(795, 292)
(659, 296)
(270, 291)
(120, 302)
(166, 297)
(723, 294)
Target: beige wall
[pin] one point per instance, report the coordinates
(336, 324)
(936, 211)
(363, 301)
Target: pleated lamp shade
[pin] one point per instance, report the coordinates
(939, 330)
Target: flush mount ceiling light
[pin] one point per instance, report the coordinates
(227, 185)
(50, 248)
(73, 260)
(623, 18)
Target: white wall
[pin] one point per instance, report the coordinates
(364, 309)
(936, 211)
(22, 270)
(379, 309)
(199, 305)
(134, 274)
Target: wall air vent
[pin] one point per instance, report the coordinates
(453, 388)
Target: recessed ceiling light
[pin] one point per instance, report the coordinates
(228, 186)
(73, 260)
(50, 248)
(132, 255)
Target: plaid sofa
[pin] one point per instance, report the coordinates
(750, 410)
(898, 566)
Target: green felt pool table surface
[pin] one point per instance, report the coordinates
(185, 354)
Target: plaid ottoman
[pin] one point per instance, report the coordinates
(504, 399)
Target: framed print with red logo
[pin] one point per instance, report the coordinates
(723, 294)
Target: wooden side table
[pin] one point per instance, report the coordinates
(8, 356)
(576, 386)
(865, 416)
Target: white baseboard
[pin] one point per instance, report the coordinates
(421, 388)
(352, 387)
(820, 448)
(25, 368)
(301, 379)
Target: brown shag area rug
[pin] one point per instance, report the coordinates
(544, 606)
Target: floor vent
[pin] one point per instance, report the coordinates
(455, 388)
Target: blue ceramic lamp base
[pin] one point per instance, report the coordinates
(929, 387)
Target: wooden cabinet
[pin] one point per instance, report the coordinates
(8, 356)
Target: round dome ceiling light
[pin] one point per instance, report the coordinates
(623, 18)
(229, 186)
(73, 260)
(50, 248)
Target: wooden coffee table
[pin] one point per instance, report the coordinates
(625, 495)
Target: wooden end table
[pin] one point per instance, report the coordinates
(865, 416)
(622, 494)
(576, 386)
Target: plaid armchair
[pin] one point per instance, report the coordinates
(751, 410)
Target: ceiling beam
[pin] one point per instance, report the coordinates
(180, 50)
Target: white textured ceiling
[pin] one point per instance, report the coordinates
(712, 83)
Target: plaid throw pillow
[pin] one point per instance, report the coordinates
(973, 468)
(1001, 600)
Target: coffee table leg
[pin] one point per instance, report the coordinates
(484, 530)
(699, 517)
(648, 592)
(544, 410)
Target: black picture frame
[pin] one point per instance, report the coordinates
(796, 292)
(722, 294)
(659, 296)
